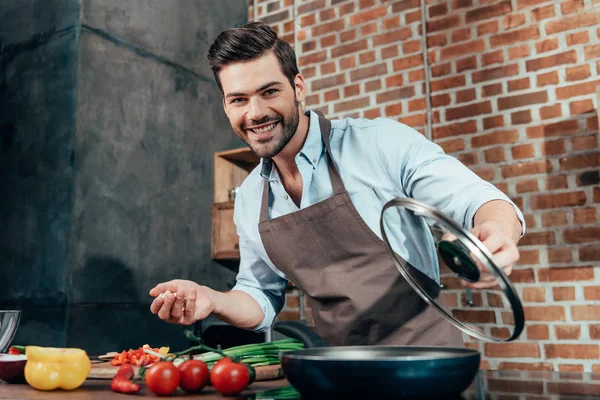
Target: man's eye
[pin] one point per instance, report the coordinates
(237, 100)
(271, 91)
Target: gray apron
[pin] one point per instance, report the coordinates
(356, 293)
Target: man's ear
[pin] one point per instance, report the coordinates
(300, 88)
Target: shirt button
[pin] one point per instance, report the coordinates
(314, 160)
(285, 197)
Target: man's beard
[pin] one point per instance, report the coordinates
(289, 125)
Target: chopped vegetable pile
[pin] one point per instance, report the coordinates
(139, 356)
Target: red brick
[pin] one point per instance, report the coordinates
(589, 160)
(551, 111)
(443, 24)
(456, 4)
(543, 12)
(328, 68)
(366, 4)
(452, 145)
(348, 36)
(538, 238)
(521, 35)
(352, 104)
(289, 315)
(491, 90)
(518, 84)
(389, 52)
(558, 200)
(527, 186)
(568, 57)
(411, 46)
(591, 292)
(578, 73)
(493, 122)
(312, 6)
(495, 57)
(560, 274)
(577, 90)
(416, 76)
(393, 109)
(585, 216)
(494, 155)
(571, 23)
(581, 107)
(369, 15)
(505, 103)
(408, 62)
(488, 12)
(581, 351)
(471, 110)
(333, 26)
(349, 48)
(447, 83)
(413, 16)
(437, 10)
(466, 64)
(563, 293)
(570, 6)
(513, 20)
(512, 350)
(465, 96)
(487, 174)
(392, 22)
(522, 276)
(395, 36)
(395, 94)
(487, 27)
(548, 78)
(350, 91)
(394, 80)
(328, 82)
(528, 257)
(529, 218)
(440, 100)
(544, 313)
(404, 5)
(416, 105)
(562, 128)
(591, 52)
(367, 57)
(586, 313)
(373, 113)
(460, 128)
(529, 168)
(458, 50)
(546, 45)
(332, 95)
(516, 366)
(534, 294)
(326, 14)
(578, 38)
(368, 72)
(538, 332)
(553, 147)
(460, 35)
(529, 3)
(414, 120)
(581, 234)
(560, 255)
(518, 52)
(592, 123)
(554, 218)
(314, 58)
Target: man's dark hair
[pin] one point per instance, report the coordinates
(250, 42)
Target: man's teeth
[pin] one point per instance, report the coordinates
(264, 129)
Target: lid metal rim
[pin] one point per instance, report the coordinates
(474, 246)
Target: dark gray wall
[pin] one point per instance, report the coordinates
(38, 66)
(133, 205)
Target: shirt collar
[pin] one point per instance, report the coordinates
(311, 150)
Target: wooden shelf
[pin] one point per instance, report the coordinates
(231, 168)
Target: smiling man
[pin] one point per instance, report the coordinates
(310, 211)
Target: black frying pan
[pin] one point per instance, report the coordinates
(368, 372)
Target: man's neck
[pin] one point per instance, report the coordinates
(285, 159)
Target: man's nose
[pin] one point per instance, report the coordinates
(256, 110)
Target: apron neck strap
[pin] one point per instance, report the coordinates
(334, 175)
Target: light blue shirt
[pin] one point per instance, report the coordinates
(378, 160)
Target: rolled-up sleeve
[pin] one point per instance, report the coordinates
(258, 280)
(424, 172)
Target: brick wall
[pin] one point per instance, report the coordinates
(513, 95)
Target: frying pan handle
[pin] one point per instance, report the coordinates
(298, 330)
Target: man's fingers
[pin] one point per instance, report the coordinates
(158, 289)
(156, 305)
(177, 309)
(190, 305)
(165, 310)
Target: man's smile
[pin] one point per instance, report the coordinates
(264, 129)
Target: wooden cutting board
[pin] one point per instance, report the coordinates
(103, 370)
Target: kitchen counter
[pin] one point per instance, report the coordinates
(488, 384)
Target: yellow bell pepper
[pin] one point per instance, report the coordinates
(50, 368)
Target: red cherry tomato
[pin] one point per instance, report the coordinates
(194, 375)
(162, 378)
(229, 377)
